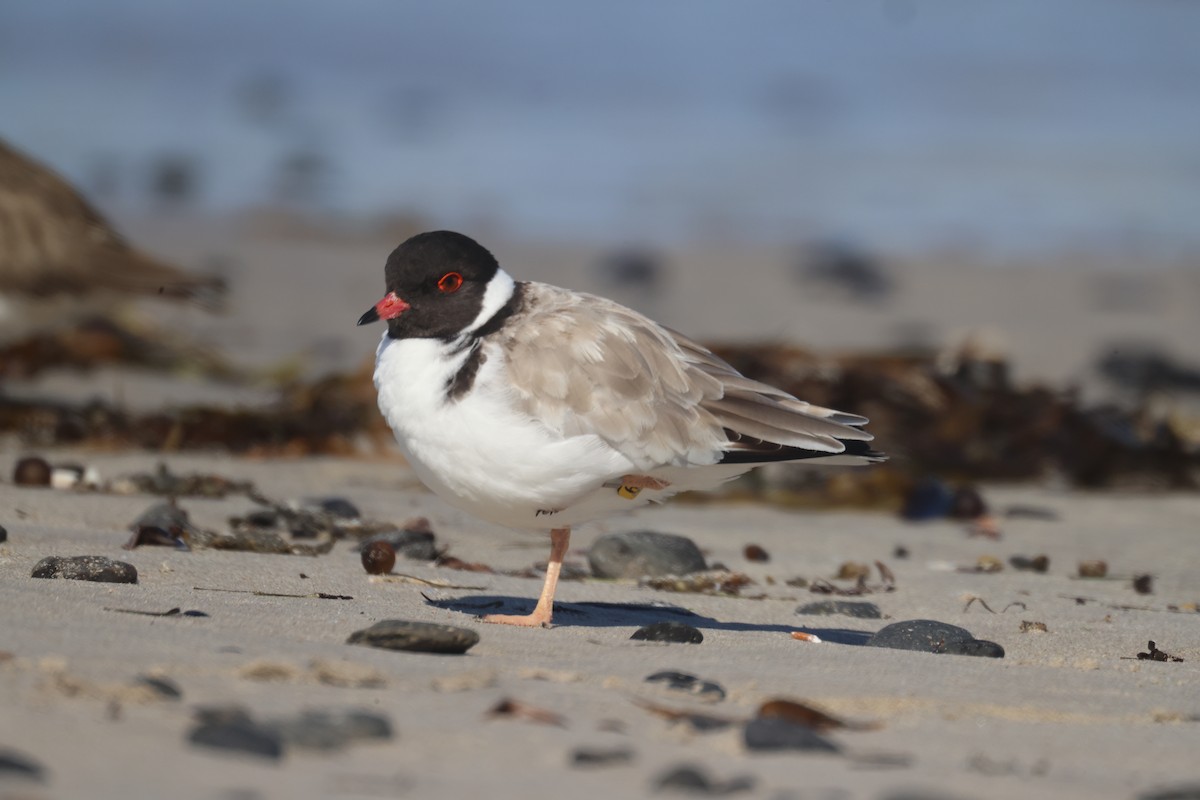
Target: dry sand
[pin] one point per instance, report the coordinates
(1066, 714)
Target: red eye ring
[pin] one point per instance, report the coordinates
(450, 282)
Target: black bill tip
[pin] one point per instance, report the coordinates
(372, 315)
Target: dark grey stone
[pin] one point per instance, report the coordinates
(683, 682)
(688, 779)
(14, 764)
(325, 730)
(974, 647)
(850, 608)
(167, 516)
(336, 507)
(165, 688)
(85, 568)
(773, 733)
(416, 637)
(232, 729)
(669, 632)
(638, 554)
(931, 636)
(3, 534)
(601, 757)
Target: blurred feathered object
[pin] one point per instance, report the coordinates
(56, 250)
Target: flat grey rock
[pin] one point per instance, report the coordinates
(669, 631)
(232, 729)
(850, 608)
(85, 568)
(416, 637)
(772, 733)
(931, 636)
(639, 554)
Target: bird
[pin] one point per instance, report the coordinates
(540, 408)
(58, 252)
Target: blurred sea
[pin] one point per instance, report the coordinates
(1009, 129)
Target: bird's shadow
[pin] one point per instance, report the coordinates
(610, 615)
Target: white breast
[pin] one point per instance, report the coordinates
(478, 452)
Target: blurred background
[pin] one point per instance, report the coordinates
(1011, 184)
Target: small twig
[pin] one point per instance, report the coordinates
(399, 577)
(258, 593)
(168, 613)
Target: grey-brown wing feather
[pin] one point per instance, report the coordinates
(586, 365)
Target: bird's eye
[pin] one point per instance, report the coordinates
(450, 282)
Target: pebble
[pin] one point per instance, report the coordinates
(85, 568)
(413, 543)
(167, 516)
(416, 637)
(232, 729)
(638, 554)
(776, 733)
(930, 636)
(165, 688)
(754, 552)
(967, 504)
(14, 764)
(668, 632)
(328, 730)
(378, 558)
(32, 471)
(683, 682)
(852, 571)
(152, 535)
(1038, 563)
(337, 507)
(688, 779)
(1093, 569)
(1142, 584)
(74, 476)
(850, 608)
(987, 564)
(929, 499)
(601, 756)
(3, 534)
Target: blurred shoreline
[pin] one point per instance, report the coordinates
(299, 283)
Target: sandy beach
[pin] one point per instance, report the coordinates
(1066, 713)
(968, 224)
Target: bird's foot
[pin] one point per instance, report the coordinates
(538, 619)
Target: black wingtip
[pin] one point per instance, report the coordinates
(371, 316)
(756, 451)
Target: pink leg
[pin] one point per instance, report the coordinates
(540, 618)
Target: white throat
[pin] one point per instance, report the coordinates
(499, 291)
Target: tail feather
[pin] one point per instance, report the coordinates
(748, 450)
